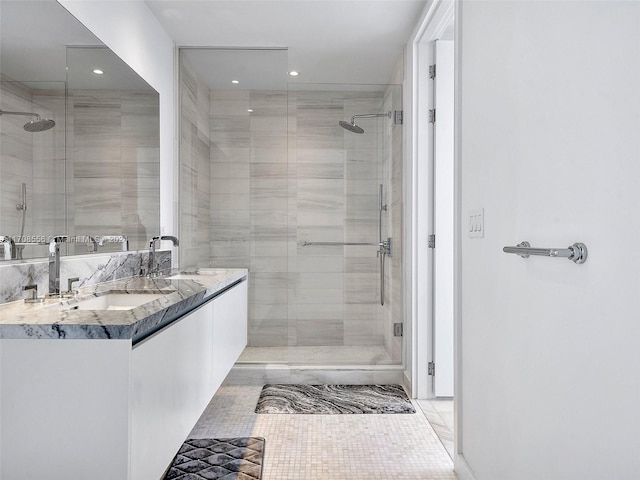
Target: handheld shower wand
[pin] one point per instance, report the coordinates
(22, 206)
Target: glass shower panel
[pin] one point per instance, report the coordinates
(335, 311)
(234, 179)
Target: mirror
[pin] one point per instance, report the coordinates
(92, 173)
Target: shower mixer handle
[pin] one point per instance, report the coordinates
(385, 247)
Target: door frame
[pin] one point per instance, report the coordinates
(432, 23)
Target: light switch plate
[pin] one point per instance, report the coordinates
(475, 224)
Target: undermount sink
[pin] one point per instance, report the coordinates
(111, 301)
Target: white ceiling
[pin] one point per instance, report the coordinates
(328, 41)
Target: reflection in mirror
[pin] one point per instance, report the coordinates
(93, 170)
(113, 156)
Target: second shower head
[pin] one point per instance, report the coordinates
(352, 127)
(37, 123)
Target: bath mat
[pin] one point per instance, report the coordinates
(218, 459)
(331, 399)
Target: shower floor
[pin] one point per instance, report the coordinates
(334, 355)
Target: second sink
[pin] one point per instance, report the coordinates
(111, 301)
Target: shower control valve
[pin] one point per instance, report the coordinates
(385, 247)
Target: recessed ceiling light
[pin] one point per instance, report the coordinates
(293, 73)
(97, 71)
(235, 81)
(250, 110)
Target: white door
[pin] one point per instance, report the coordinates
(443, 220)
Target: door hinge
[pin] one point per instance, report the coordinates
(432, 241)
(397, 329)
(431, 367)
(432, 71)
(432, 115)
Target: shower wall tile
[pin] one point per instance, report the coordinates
(314, 156)
(228, 201)
(229, 170)
(319, 332)
(317, 281)
(318, 264)
(268, 248)
(229, 131)
(364, 230)
(241, 154)
(269, 264)
(325, 171)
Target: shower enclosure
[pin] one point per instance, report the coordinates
(270, 182)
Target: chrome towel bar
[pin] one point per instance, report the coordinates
(577, 252)
(306, 244)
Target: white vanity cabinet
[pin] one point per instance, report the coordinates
(176, 372)
(104, 410)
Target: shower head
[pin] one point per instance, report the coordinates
(352, 127)
(37, 124)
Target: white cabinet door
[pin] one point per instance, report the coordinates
(65, 411)
(229, 330)
(172, 384)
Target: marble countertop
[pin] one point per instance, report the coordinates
(180, 291)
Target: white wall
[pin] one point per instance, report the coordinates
(550, 148)
(130, 29)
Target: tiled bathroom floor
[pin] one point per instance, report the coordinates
(439, 413)
(329, 447)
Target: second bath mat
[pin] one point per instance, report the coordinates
(218, 459)
(332, 399)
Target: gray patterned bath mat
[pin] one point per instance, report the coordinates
(218, 459)
(330, 399)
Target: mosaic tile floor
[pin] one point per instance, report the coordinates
(325, 447)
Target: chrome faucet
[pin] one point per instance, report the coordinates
(115, 239)
(153, 267)
(9, 247)
(54, 263)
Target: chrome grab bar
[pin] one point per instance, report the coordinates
(306, 244)
(577, 252)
